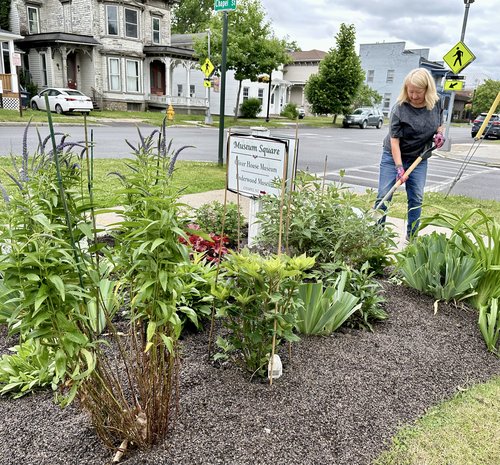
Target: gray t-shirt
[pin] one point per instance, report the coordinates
(414, 127)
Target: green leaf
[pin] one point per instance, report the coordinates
(58, 283)
(60, 359)
(150, 332)
(157, 242)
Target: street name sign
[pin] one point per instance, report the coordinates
(451, 84)
(459, 57)
(225, 5)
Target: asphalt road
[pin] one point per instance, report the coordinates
(354, 151)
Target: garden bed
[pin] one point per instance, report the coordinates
(338, 402)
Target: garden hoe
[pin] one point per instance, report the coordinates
(424, 156)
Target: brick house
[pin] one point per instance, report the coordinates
(117, 51)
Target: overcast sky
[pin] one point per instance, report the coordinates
(433, 24)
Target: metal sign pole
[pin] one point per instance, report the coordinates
(222, 90)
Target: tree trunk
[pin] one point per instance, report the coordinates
(236, 109)
(334, 119)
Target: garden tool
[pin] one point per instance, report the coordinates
(424, 156)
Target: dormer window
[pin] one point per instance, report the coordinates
(33, 20)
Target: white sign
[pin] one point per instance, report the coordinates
(16, 59)
(255, 165)
(1, 87)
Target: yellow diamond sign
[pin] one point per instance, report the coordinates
(459, 57)
(207, 67)
(450, 84)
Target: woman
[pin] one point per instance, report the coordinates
(415, 122)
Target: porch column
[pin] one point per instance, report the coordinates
(168, 78)
(64, 55)
(13, 69)
(188, 82)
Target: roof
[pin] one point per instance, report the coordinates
(308, 55)
(56, 37)
(7, 35)
(169, 51)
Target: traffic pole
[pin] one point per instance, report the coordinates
(222, 90)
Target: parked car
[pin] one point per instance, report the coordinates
(493, 128)
(302, 112)
(62, 100)
(363, 117)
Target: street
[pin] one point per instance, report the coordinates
(354, 151)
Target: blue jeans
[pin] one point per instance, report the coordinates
(414, 189)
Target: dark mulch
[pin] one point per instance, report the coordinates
(338, 402)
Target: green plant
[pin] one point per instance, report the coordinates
(437, 266)
(484, 247)
(258, 298)
(210, 217)
(290, 111)
(324, 310)
(489, 324)
(250, 108)
(322, 221)
(30, 366)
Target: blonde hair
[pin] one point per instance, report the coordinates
(422, 79)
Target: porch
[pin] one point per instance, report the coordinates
(182, 105)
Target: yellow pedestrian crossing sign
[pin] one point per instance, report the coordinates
(207, 83)
(459, 57)
(207, 67)
(451, 84)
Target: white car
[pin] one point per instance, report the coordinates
(62, 100)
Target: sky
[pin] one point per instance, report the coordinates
(433, 24)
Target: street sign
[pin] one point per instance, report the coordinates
(207, 67)
(207, 83)
(451, 84)
(224, 5)
(459, 57)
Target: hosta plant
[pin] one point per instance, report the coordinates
(324, 309)
(258, 303)
(489, 324)
(437, 266)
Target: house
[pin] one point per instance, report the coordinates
(303, 65)
(118, 52)
(9, 83)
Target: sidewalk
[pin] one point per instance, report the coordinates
(483, 152)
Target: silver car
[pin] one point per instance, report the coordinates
(62, 100)
(363, 117)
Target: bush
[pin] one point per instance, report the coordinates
(210, 215)
(250, 108)
(290, 111)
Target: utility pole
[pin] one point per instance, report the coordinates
(220, 161)
(208, 116)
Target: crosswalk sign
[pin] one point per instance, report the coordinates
(459, 57)
(207, 67)
(451, 84)
(207, 83)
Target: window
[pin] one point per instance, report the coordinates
(112, 20)
(192, 90)
(114, 74)
(156, 30)
(370, 75)
(33, 21)
(387, 102)
(131, 23)
(246, 90)
(45, 80)
(132, 76)
(390, 75)
(260, 96)
(179, 90)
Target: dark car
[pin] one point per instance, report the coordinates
(363, 117)
(493, 128)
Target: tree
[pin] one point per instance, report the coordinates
(4, 15)
(251, 47)
(484, 96)
(333, 89)
(191, 16)
(366, 97)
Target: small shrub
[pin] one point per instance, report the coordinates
(290, 111)
(250, 108)
(210, 216)
(489, 324)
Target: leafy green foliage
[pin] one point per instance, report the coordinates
(437, 266)
(479, 236)
(365, 97)
(258, 298)
(489, 324)
(485, 95)
(325, 309)
(4, 15)
(322, 222)
(210, 217)
(250, 108)
(290, 111)
(333, 89)
(191, 16)
(30, 366)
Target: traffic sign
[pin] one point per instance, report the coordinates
(207, 67)
(459, 57)
(451, 84)
(207, 83)
(224, 5)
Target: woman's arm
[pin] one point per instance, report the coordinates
(396, 151)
